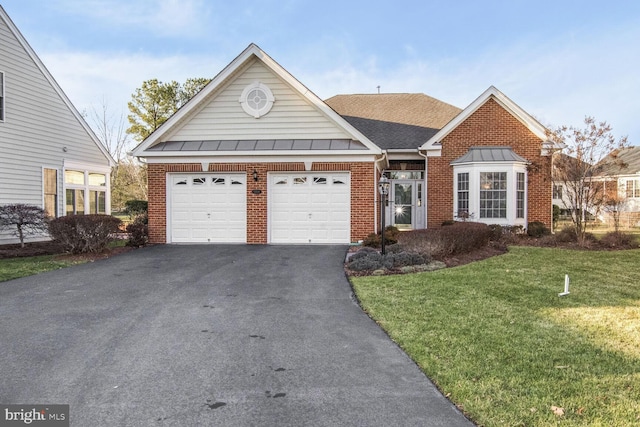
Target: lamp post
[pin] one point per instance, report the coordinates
(383, 189)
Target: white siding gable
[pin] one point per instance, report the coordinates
(292, 115)
(40, 129)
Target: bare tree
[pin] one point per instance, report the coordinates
(24, 220)
(110, 129)
(128, 176)
(579, 169)
(614, 206)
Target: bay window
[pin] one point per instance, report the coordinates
(490, 186)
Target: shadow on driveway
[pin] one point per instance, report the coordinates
(209, 335)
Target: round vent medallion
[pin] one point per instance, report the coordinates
(256, 99)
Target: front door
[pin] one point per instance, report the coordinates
(406, 209)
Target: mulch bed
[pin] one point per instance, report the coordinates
(53, 248)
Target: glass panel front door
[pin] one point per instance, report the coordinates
(403, 207)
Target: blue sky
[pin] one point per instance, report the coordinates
(559, 60)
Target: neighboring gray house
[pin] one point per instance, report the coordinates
(49, 156)
(621, 172)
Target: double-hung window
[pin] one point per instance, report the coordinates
(632, 188)
(493, 194)
(463, 195)
(520, 201)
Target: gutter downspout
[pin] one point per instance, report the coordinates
(426, 190)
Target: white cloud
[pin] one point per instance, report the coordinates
(558, 81)
(87, 78)
(175, 18)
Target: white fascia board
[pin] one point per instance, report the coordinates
(404, 155)
(91, 167)
(43, 69)
(243, 158)
(525, 118)
(227, 72)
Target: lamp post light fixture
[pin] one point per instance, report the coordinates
(383, 189)
(255, 175)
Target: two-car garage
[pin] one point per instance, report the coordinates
(303, 207)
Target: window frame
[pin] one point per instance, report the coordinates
(634, 191)
(462, 204)
(557, 192)
(521, 201)
(87, 189)
(56, 206)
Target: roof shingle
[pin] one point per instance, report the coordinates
(394, 120)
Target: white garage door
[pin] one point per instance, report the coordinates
(309, 208)
(208, 208)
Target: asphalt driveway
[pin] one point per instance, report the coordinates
(208, 335)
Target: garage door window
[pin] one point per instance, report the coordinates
(299, 180)
(319, 180)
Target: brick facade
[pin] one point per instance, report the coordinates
(362, 194)
(490, 125)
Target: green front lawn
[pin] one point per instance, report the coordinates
(497, 339)
(14, 268)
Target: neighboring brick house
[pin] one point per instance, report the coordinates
(256, 157)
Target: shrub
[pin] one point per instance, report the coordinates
(84, 233)
(537, 229)
(402, 259)
(463, 237)
(24, 220)
(496, 232)
(556, 215)
(458, 238)
(367, 261)
(567, 235)
(138, 231)
(618, 240)
(374, 240)
(134, 208)
(448, 222)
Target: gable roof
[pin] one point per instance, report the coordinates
(228, 73)
(491, 93)
(45, 72)
(624, 161)
(394, 120)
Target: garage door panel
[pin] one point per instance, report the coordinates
(315, 210)
(208, 208)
